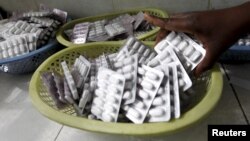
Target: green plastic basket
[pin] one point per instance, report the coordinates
(209, 87)
(148, 36)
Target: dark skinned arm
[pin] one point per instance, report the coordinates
(216, 29)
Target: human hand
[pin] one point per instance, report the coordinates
(217, 30)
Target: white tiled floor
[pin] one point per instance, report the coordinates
(21, 121)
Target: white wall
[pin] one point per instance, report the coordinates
(82, 8)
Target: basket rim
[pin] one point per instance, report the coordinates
(44, 48)
(65, 42)
(195, 114)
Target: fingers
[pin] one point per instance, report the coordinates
(161, 35)
(172, 23)
(203, 66)
(155, 20)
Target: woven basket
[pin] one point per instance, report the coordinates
(29, 62)
(148, 36)
(208, 87)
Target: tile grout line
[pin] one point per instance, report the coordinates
(113, 5)
(208, 4)
(58, 133)
(235, 94)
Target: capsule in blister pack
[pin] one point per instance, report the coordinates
(145, 53)
(160, 109)
(128, 68)
(149, 80)
(114, 29)
(22, 27)
(174, 90)
(161, 46)
(108, 95)
(70, 80)
(93, 72)
(187, 49)
(14, 46)
(31, 40)
(166, 56)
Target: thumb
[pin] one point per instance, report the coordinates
(203, 66)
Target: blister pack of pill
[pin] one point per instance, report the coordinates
(81, 67)
(239, 52)
(97, 31)
(174, 90)
(69, 99)
(125, 18)
(46, 22)
(168, 55)
(22, 27)
(36, 36)
(31, 40)
(59, 82)
(67, 92)
(49, 82)
(85, 98)
(103, 61)
(70, 80)
(108, 95)
(244, 41)
(77, 77)
(120, 87)
(80, 33)
(111, 57)
(139, 18)
(36, 14)
(149, 81)
(126, 21)
(128, 68)
(145, 53)
(12, 47)
(115, 29)
(160, 110)
(161, 107)
(187, 49)
(93, 72)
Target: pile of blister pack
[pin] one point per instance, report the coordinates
(109, 29)
(28, 31)
(137, 84)
(244, 41)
